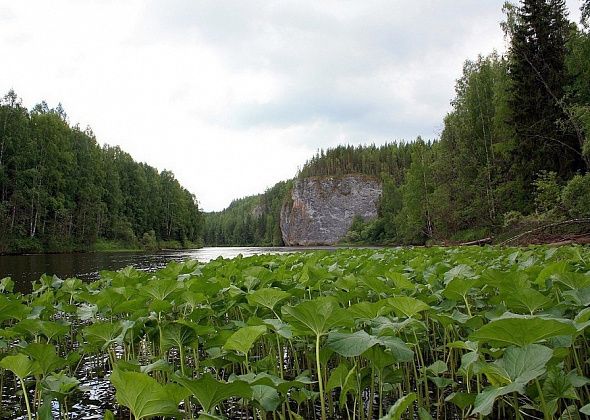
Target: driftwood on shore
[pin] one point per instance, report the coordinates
(483, 241)
(544, 227)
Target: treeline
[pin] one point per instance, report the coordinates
(514, 150)
(249, 221)
(390, 159)
(61, 191)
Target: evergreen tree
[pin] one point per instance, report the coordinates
(546, 136)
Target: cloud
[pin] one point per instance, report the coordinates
(233, 96)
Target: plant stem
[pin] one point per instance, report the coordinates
(22, 384)
(319, 374)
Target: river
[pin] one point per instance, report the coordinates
(24, 269)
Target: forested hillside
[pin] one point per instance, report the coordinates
(60, 190)
(248, 221)
(514, 149)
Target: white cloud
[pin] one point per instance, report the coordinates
(233, 96)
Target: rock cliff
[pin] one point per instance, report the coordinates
(321, 209)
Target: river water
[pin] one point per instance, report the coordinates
(24, 269)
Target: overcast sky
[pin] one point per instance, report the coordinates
(234, 96)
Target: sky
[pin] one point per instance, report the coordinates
(234, 96)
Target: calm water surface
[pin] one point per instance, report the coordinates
(24, 269)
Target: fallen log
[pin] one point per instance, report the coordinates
(541, 228)
(483, 241)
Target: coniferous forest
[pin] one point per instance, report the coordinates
(61, 191)
(514, 150)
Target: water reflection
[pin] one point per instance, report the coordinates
(26, 268)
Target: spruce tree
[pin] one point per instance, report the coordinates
(546, 139)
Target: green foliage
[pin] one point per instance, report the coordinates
(457, 331)
(576, 196)
(249, 221)
(61, 191)
(547, 192)
(143, 395)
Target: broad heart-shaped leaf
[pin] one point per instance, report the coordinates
(370, 310)
(458, 288)
(177, 335)
(521, 330)
(10, 309)
(350, 344)
(209, 392)
(344, 378)
(407, 306)
(161, 289)
(557, 385)
(100, 335)
(525, 363)
(518, 367)
(316, 316)
(46, 357)
(143, 395)
(60, 385)
(243, 339)
(20, 365)
(484, 402)
(35, 327)
(529, 300)
(461, 399)
(268, 297)
(401, 405)
(6, 285)
(266, 396)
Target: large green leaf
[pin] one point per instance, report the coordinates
(458, 288)
(143, 395)
(529, 300)
(267, 297)
(484, 402)
(244, 338)
(45, 356)
(101, 335)
(59, 385)
(407, 306)
(344, 378)
(20, 365)
(400, 406)
(177, 335)
(350, 344)
(316, 316)
(516, 369)
(209, 392)
(521, 331)
(266, 396)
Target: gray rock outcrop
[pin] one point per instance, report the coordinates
(321, 209)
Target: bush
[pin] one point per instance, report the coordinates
(547, 192)
(576, 196)
(148, 241)
(512, 218)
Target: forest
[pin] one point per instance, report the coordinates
(514, 150)
(61, 191)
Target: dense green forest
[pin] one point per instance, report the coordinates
(61, 191)
(514, 149)
(248, 221)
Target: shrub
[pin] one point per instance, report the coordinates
(576, 196)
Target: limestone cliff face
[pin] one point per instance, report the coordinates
(321, 209)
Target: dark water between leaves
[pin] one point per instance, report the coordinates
(98, 393)
(24, 269)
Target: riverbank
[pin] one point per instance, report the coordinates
(30, 246)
